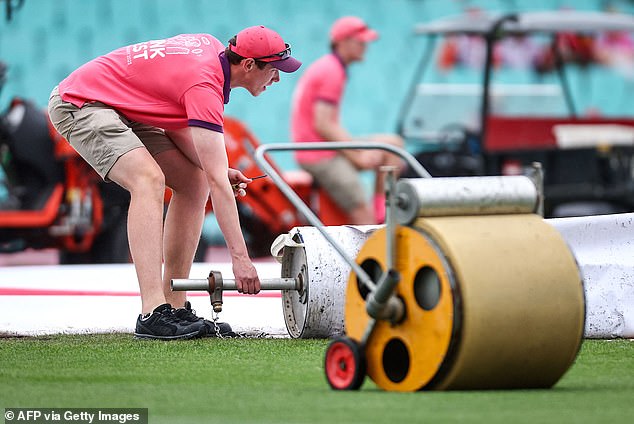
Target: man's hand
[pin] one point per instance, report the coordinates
(246, 276)
(238, 182)
(364, 159)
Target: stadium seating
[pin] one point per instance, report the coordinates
(46, 40)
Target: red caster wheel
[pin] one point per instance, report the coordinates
(345, 364)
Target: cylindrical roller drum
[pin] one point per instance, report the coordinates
(316, 311)
(460, 196)
(492, 302)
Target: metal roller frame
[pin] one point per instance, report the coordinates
(263, 163)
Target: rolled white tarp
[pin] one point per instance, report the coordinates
(604, 248)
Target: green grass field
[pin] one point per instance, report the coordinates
(282, 381)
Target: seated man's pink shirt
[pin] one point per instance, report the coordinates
(323, 81)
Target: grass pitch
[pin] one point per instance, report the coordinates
(282, 381)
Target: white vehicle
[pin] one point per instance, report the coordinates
(543, 87)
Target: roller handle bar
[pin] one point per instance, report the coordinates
(299, 204)
(203, 284)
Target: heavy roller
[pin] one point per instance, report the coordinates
(465, 287)
(486, 301)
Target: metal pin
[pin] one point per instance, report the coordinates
(253, 178)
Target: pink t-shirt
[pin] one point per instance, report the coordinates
(173, 83)
(324, 81)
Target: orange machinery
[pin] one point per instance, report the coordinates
(60, 202)
(264, 199)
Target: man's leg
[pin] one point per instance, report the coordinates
(137, 172)
(387, 159)
(362, 215)
(141, 175)
(373, 159)
(183, 225)
(340, 178)
(184, 220)
(102, 137)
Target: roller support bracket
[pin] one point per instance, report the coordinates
(381, 303)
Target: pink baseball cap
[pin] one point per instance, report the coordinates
(265, 45)
(352, 26)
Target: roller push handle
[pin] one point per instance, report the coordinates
(261, 160)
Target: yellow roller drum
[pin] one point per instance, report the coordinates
(405, 356)
(492, 302)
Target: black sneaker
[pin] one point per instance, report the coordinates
(163, 324)
(212, 328)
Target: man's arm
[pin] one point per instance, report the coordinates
(327, 125)
(183, 140)
(211, 154)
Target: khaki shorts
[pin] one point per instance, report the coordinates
(101, 135)
(340, 179)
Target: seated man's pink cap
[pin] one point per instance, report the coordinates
(265, 45)
(352, 26)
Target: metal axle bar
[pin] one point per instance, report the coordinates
(184, 284)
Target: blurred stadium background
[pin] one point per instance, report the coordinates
(45, 40)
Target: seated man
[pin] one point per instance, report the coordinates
(315, 117)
